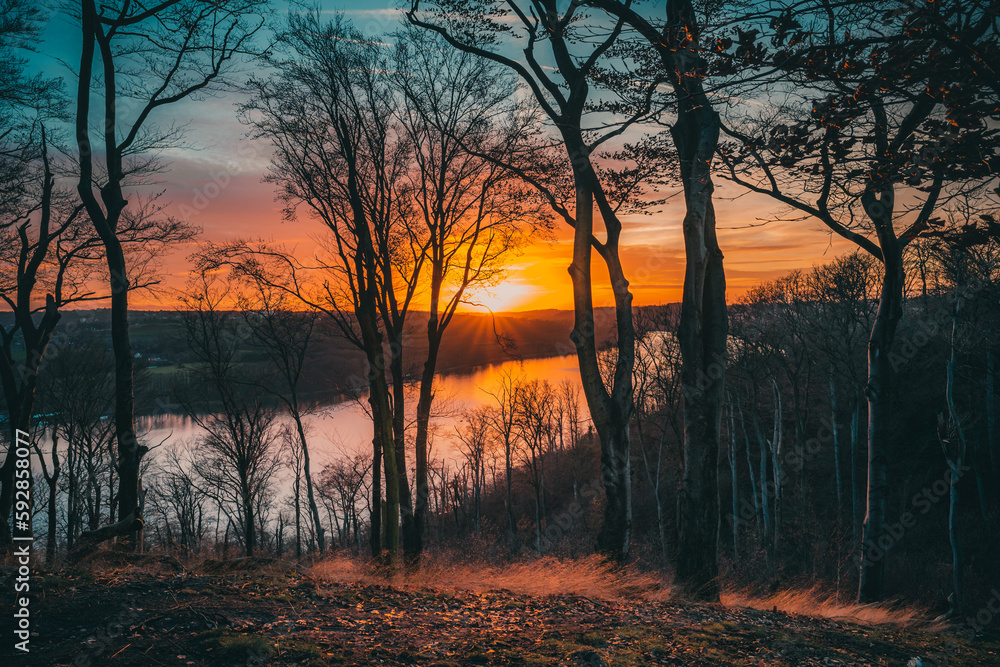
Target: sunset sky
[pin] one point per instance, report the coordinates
(215, 182)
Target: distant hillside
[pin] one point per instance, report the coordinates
(472, 340)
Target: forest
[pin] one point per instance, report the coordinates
(830, 428)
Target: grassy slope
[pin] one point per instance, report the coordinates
(333, 616)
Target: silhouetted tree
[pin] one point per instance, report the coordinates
(580, 47)
(237, 457)
(186, 47)
(878, 127)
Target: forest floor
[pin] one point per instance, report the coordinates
(268, 615)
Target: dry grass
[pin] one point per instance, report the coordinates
(817, 603)
(588, 577)
(591, 577)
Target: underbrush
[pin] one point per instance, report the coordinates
(593, 577)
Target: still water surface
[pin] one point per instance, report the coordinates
(344, 429)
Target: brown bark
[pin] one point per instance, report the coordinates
(704, 326)
(422, 489)
(410, 536)
(877, 391)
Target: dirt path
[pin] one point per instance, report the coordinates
(247, 618)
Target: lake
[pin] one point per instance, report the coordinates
(344, 428)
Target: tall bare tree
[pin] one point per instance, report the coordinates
(328, 113)
(237, 456)
(579, 46)
(872, 140)
(393, 165)
(470, 212)
(184, 47)
(284, 335)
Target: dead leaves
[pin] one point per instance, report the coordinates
(218, 618)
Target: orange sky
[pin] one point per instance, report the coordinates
(227, 199)
(214, 180)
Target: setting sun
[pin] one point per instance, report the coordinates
(506, 332)
(505, 297)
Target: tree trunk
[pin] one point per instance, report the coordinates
(735, 481)
(855, 425)
(611, 414)
(878, 393)
(508, 492)
(991, 411)
(836, 444)
(702, 338)
(298, 512)
(410, 537)
(955, 454)
(249, 529)
(130, 452)
(703, 325)
(538, 520)
(765, 492)
(21, 407)
(423, 428)
(71, 491)
(53, 483)
(750, 470)
(383, 446)
(366, 312)
(310, 493)
(776, 458)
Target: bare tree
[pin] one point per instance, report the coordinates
(704, 321)
(657, 403)
(503, 421)
(50, 258)
(534, 425)
(846, 292)
(185, 46)
(864, 145)
(237, 457)
(391, 165)
(327, 113)
(342, 484)
(471, 211)
(284, 335)
(182, 505)
(579, 46)
(475, 436)
(20, 29)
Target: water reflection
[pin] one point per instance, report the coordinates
(344, 428)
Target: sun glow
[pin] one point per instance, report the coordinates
(507, 296)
